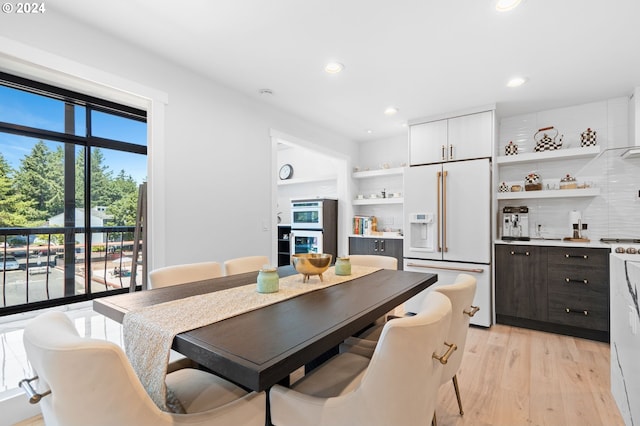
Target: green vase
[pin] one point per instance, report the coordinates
(343, 266)
(268, 280)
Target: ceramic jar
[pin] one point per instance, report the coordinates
(268, 280)
(343, 266)
(511, 149)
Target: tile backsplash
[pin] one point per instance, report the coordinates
(615, 212)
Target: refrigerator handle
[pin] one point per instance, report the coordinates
(438, 185)
(444, 211)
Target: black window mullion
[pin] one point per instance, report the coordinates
(69, 203)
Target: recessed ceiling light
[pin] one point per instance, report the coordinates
(369, 131)
(391, 111)
(507, 5)
(266, 92)
(333, 67)
(516, 82)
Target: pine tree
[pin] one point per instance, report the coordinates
(15, 210)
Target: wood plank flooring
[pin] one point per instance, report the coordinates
(512, 376)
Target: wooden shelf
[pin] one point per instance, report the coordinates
(372, 201)
(558, 193)
(569, 153)
(379, 172)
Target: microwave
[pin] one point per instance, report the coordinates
(307, 214)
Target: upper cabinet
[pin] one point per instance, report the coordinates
(458, 138)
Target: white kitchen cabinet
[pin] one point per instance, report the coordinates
(459, 138)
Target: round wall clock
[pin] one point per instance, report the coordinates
(286, 172)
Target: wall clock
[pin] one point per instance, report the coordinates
(286, 172)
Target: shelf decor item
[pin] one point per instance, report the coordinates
(568, 182)
(504, 187)
(588, 137)
(511, 149)
(532, 182)
(544, 142)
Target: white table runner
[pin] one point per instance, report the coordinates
(149, 332)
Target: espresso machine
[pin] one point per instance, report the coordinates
(515, 223)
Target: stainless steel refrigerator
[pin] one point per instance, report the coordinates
(447, 216)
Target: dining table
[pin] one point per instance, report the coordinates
(262, 347)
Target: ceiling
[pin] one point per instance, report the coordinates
(421, 56)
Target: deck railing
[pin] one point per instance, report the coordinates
(51, 272)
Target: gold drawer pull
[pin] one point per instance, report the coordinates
(445, 358)
(583, 256)
(569, 280)
(472, 311)
(526, 253)
(577, 311)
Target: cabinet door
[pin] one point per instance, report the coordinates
(391, 247)
(359, 245)
(521, 281)
(428, 143)
(470, 136)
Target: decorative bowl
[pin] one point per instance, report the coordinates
(311, 264)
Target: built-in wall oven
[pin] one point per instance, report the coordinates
(307, 241)
(307, 214)
(314, 226)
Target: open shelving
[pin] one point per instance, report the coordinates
(569, 153)
(555, 193)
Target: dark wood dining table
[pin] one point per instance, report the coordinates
(262, 347)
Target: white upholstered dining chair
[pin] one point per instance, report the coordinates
(185, 273)
(240, 265)
(384, 262)
(397, 386)
(92, 383)
(460, 294)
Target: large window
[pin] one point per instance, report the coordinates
(70, 169)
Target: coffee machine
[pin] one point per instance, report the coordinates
(515, 223)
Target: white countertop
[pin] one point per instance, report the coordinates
(386, 235)
(555, 243)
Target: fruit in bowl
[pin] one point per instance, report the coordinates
(311, 264)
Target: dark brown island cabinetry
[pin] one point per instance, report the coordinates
(377, 246)
(556, 289)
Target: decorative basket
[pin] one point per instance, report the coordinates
(532, 182)
(588, 137)
(511, 149)
(545, 142)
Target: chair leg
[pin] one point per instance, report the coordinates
(434, 422)
(457, 389)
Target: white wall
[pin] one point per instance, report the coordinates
(211, 179)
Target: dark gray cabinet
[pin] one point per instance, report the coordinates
(557, 289)
(377, 246)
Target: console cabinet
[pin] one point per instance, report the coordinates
(556, 289)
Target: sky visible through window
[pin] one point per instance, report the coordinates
(19, 107)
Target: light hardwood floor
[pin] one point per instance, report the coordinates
(512, 376)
